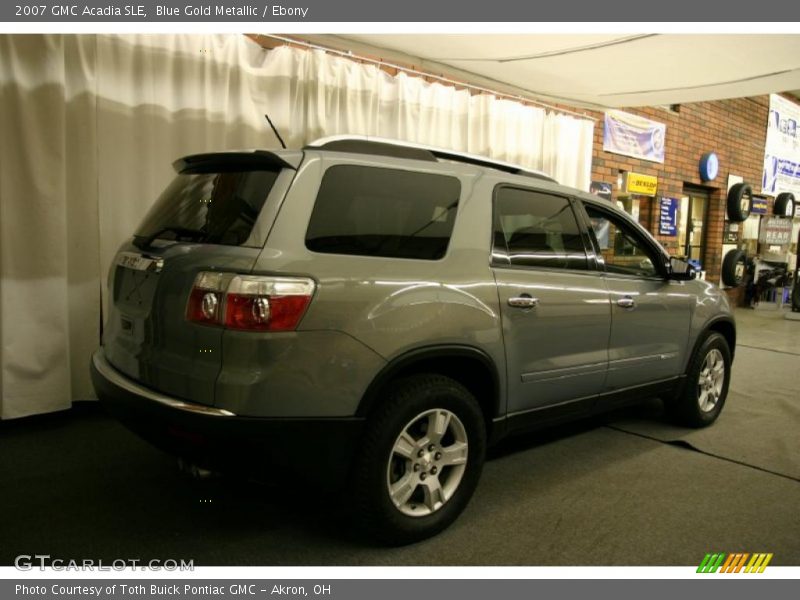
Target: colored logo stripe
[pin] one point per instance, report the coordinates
(711, 563)
(734, 562)
(758, 563)
(727, 567)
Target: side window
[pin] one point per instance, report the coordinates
(371, 211)
(534, 229)
(622, 249)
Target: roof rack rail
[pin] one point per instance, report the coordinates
(361, 144)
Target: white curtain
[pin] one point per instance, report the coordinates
(313, 94)
(89, 127)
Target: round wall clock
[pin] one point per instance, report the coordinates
(709, 166)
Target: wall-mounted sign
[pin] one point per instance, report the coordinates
(759, 205)
(632, 135)
(709, 166)
(668, 216)
(636, 183)
(782, 149)
(602, 189)
(775, 231)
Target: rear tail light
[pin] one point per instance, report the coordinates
(249, 302)
(207, 298)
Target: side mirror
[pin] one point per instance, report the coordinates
(680, 270)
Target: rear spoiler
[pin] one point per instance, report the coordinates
(214, 162)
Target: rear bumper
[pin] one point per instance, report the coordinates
(314, 450)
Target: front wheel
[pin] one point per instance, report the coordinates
(703, 395)
(420, 461)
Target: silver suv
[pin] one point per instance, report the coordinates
(371, 315)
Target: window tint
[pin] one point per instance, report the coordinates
(213, 208)
(536, 230)
(621, 249)
(383, 212)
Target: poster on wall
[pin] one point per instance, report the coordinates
(602, 189)
(632, 135)
(782, 149)
(668, 216)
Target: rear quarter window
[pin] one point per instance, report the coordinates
(372, 211)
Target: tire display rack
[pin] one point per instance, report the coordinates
(765, 275)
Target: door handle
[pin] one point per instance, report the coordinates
(523, 301)
(626, 302)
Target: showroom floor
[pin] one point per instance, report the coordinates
(626, 490)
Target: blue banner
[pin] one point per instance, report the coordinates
(632, 135)
(668, 218)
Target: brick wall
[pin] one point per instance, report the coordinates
(734, 129)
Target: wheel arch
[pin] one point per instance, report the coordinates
(725, 326)
(470, 366)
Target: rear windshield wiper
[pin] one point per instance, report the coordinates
(143, 241)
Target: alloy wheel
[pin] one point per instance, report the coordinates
(427, 462)
(710, 380)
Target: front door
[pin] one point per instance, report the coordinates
(650, 315)
(692, 224)
(554, 305)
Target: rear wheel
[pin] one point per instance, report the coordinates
(701, 400)
(421, 460)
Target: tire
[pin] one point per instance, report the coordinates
(396, 435)
(740, 201)
(784, 205)
(703, 394)
(733, 269)
(796, 294)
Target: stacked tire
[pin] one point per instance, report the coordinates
(734, 266)
(784, 205)
(740, 202)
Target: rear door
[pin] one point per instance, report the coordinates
(650, 315)
(211, 217)
(553, 303)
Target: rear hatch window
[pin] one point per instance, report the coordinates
(211, 208)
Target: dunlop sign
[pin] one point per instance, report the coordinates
(636, 183)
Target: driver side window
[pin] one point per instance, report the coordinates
(622, 249)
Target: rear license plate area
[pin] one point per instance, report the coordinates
(139, 262)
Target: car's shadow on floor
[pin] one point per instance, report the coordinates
(90, 488)
(78, 485)
(529, 440)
